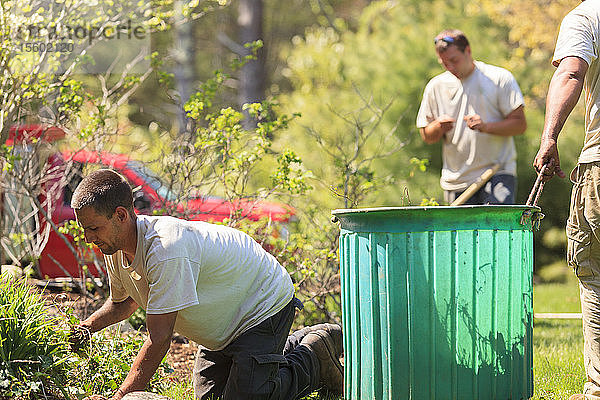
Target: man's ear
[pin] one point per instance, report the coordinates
(122, 214)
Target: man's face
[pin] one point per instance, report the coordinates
(103, 232)
(458, 63)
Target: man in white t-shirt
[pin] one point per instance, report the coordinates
(474, 109)
(578, 67)
(211, 283)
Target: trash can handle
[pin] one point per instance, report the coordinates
(538, 186)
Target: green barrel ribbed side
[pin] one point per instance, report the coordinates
(437, 302)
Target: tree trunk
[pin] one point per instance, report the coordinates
(253, 75)
(184, 54)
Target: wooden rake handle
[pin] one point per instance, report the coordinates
(475, 186)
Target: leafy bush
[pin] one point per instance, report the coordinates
(34, 359)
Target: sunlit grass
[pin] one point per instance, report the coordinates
(558, 368)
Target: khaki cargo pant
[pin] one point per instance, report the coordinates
(583, 255)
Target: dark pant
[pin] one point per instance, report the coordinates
(253, 365)
(500, 189)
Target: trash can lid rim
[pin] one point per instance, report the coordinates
(523, 207)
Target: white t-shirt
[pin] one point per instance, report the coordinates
(493, 93)
(219, 279)
(580, 37)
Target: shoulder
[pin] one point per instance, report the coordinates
(493, 70)
(442, 80)
(167, 237)
(589, 10)
(500, 76)
(579, 33)
(583, 18)
(439, 82)
(161, 226)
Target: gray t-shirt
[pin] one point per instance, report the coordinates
(219, 279)
(493, 93)
(580, 37)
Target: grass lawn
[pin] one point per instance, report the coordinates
(557, 346)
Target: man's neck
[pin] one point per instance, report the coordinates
(470, 72)
(130, 244)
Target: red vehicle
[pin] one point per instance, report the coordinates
(150, 194)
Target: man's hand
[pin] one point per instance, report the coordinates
(475, 122)
(79, 337)
(548, 155)
(445, 123)
(95, 397)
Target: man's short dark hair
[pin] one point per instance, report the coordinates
(451, 37)
(104, 190)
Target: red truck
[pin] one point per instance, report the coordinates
(150, 194)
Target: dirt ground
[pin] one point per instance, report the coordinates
(181, 354)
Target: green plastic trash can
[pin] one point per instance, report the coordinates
(437, 302)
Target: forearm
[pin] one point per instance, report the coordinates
(160, 331)
(110, 313)
(563, 94)
(513, 124)
(144, 366)
(506, 127)
(432, 133)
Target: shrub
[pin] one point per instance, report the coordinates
(33, 352)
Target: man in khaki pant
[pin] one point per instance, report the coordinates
(578, 67)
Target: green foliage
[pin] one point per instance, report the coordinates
(558, 272)
(289, 175)
(72, 228)
(71, 97)
(429, 202)
(222, 156)
(252, 48)
(103, 366)
(203, 98)
(138, 319)
(33, 353)
(418, 165)
(35, 360)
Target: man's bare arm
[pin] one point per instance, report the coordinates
(436, 129)
(110, 313)
(563, 94)
(514, 124)
(160, 331)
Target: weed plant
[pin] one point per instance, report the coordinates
(34, 357)
(103, 366)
